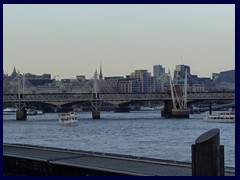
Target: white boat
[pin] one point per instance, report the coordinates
(158, 108)
(69, 118)
(223, 117)
(9, 111)
(31, 112)
(40, 112)
(146, 108)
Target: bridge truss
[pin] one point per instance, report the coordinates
(113, 98)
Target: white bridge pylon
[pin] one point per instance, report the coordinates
(179, 100)
(20, 106)
(23, 86)
(96, 101)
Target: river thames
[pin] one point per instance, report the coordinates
(138, 133)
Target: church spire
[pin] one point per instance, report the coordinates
(14, 73)
(100, 75)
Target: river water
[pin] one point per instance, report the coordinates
(138, 133)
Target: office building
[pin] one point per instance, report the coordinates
(144, 77)
(158, 70)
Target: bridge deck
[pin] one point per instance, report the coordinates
(104, 163)
(113, 98)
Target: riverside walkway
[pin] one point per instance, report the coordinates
(45, 161)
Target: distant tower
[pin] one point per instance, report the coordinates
(100, 75)
(14, 73)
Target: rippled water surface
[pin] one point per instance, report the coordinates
(139, 133)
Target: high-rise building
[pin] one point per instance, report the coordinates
(179, 72)
(158, 70)
(144, 77)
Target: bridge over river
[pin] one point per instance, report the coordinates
(96, 99)
(64, 98)
(98, 94)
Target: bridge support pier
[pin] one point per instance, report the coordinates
(168, 106)
(95, 114)
(170, 112)
(21, 115)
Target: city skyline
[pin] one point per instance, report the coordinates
(71, 40)
(115, 75)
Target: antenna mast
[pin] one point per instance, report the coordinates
(181, 59)
(185, 90)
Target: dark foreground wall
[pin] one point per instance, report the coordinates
(26, 167)
(43, 161)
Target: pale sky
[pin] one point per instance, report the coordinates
(70, 40)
